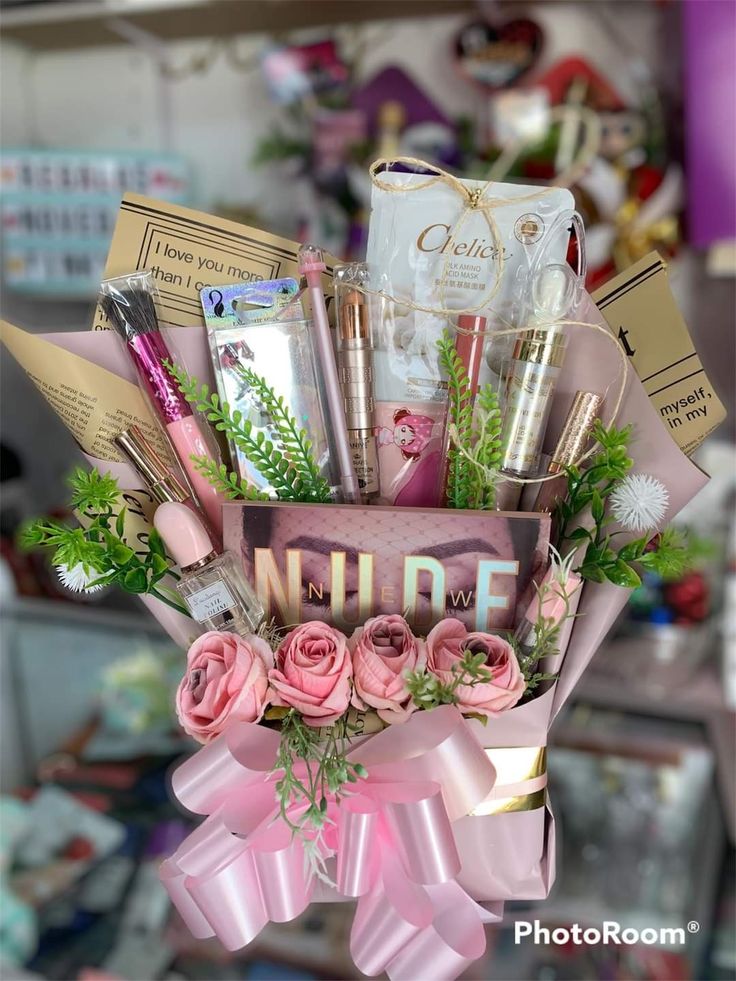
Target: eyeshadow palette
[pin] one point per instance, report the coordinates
(343, 564)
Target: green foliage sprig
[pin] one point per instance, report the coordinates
(286, 460)
(428, 691)
(668, 553)
(460, 421)
(98, 546)
(303, 791)
(547, 630)
(474, 453)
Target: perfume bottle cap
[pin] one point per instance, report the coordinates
(555, 598)
(576, 431)
(184, 535)
(142, 456)
(546, 347)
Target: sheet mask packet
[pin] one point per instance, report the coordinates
(428, 247)
(642, 312)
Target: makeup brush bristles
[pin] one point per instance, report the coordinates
(131, 311)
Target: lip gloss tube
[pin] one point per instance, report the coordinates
(311, 266)
(164, 486)
(355, 368)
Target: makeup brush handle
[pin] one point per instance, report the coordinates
(188, 441)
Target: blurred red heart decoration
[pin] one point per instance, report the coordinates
(496, 56)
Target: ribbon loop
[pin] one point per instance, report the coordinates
(357, 846)
(393, 838)
(225, 767)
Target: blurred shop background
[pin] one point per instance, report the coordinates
(270, 112)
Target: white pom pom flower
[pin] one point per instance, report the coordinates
(77, 579)
(639, 502)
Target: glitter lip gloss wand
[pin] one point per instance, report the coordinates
(311, 266)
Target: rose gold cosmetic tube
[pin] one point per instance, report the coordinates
(570, 447)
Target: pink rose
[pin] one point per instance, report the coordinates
(383, 651)
(226, 681)
(446, 644)
(312, 673)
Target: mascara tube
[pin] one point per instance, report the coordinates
(355, 369)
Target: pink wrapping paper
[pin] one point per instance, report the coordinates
(508, 855)
(513, 858)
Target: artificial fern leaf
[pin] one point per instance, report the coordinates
(287, 480)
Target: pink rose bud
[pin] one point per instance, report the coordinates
(447, 643)
(226, 681)
(384, 651)
(312, 673)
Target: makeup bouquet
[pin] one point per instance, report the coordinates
(389, 563)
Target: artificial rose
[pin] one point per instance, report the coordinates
(384, 649)
(312, 673)
(226, 681)
(446, 644)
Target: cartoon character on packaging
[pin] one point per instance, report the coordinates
(410, 434)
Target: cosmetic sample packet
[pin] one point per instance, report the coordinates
(426, 246)
(343, 564)
(187, 251)
(640, 309)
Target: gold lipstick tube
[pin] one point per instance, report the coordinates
(162, 483)
(355, 370)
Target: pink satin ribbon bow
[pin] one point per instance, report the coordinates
(392, 838)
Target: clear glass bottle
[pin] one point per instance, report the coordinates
(213, 586)
(533, 373)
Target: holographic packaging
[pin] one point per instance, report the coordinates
(261, 326)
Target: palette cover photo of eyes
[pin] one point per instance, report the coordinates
(343, 565)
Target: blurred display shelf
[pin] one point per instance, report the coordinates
(63, 24)
(23, 609)
(695, 701)
(699, 700)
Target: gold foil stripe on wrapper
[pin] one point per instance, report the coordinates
(476, 200)
(516, 765)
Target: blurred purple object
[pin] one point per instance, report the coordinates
(709, 32)
(166, 837)
(394, 85)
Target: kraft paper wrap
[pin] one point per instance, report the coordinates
(641, 311)
(187, 250)
(90, 383)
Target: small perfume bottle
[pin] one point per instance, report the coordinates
(213, 586)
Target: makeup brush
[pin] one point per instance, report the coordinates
(129, 305)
